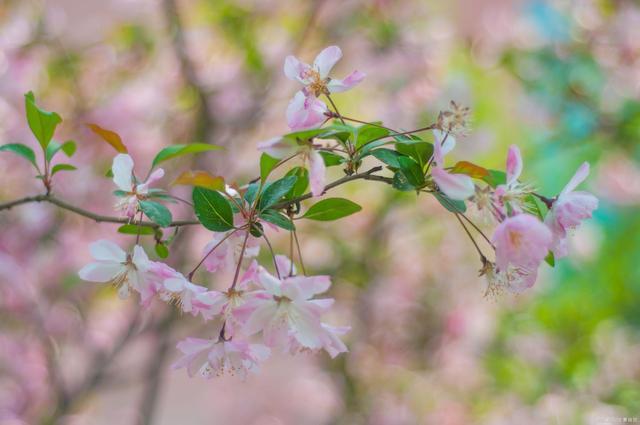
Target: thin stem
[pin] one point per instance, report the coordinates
(482, 257)
(450, 204)
(139, 228)
(291, 252)
(244, 247)
(295, 236)
(273, 255)
(335, 108)
(227, 236)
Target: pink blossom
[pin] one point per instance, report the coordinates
(192, 298)
(315, 77)
(521, 241)
(569, 209)
(280, 147)
(113, 265)
(455, 186)
(513, 192)
(226, 256)
(123, 177)
(208, 357)
(330, 338)
(305, 112)
(285, 310)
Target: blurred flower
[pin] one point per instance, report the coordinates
(512, 193)
(123, 177)
(454, 120)
(305, 112)
(455, 186)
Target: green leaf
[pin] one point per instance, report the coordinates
(331, 159)
(162, 250)
(411, 171)
(550, 259)
(156, 212)
(366, 149)
(369, 133)
(495, 178)
(62, 167)
(252, 191)
(331, 209)
(419, 151)
(267, 164)
(276, 190)
(450, 204)
(42, 123)
(132, 229)
(178, 150)
(400, 183)
(277, 218)
(302, 183)
(120, 193)
(388, 156)
(212, 209)
(22, 150)
(305, 134)
(68, 147)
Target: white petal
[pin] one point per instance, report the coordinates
(100, 272)
(326, 59)
(122, 169)
(104, 250)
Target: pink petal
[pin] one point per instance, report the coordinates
(352, 80)
(317, 173)
(521, 240)
(296, 70)
(581, 174)
(305, 112)
(277, 147)
(456, 186)
(326, 59)
(514, 164)
(122, 170)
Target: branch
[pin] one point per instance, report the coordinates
(89, 214)
(367, 175)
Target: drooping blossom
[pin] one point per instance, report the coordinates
(192, 298)
(208, 357)
(285, 310)
(315, 78)
(304, 112)
(522, 242)
(280, 147)
(330, 341)
(114, 265)
(513, 278)
(134, 191)
(512, 194)
(569, 209)
(455, 186)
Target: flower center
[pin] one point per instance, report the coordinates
(318, 86)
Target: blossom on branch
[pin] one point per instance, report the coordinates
(132, 190)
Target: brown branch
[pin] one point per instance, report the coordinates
(85, 213)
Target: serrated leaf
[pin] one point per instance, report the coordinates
(277, 218)
(111, 137)
(212, 210)
(470, 169)
(156, 212)
(276, 190)
(179, 150)
(302, 182)
(42, 123)
(267, 164)
(450, 204)
(132, 229)
(19, 149)
(200, 179)
(331, 209)
(62, 167)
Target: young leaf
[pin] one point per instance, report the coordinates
(179, 150)
(305, 134)
(267, 164)
(302, 183)
(369, 133)
(22, 150)
(331, 209)
(400, 182)
(111, 137)
(162, 250)
(156, 212)
(388, 156)
(411, 170)
(450, 204)
(252, 191)
(470, 169)
(419, 151)
(132, 229)
(330, 158)
(68, 147)
(550, 259)
(277, 218)
(212, 210)
(276, 190)
(62, 167)
(495, 178)
(42, 123)
(200, 179)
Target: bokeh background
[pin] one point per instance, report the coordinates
(560, 78)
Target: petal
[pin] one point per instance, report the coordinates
(122, 169)
(140, 258)
(352, 80)
(309, 286)
(270, 283)
(284, 265)
(326, 59)
(443, 144)
(305, 112)
(155, 176)
(100, 272)
(580, 175)
(456, 186)
(175, 284)
(277, 147)
(296, 70)
(306, 326)
(260, 318)
(317, 173)
(514, 164)
(104, 250)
